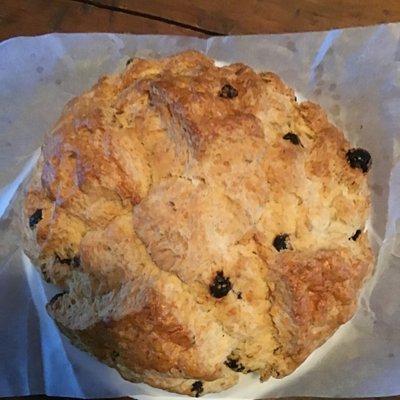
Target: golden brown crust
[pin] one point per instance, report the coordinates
(312, 295)
(165, 194)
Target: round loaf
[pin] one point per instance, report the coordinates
(200, 222)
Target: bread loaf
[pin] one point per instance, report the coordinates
(200, 222)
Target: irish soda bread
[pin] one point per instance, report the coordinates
(201, 223)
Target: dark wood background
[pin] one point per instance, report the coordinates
(190, 17)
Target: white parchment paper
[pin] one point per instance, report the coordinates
(354, 74)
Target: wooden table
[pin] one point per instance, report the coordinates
(201, 18)
(190, 17)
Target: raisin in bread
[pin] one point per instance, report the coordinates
(200, 223)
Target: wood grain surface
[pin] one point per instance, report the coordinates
(190, 17)
(268, 16)
(35, 17)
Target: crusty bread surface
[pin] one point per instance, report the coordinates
(200, 222)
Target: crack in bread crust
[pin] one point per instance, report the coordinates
(176, 174)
